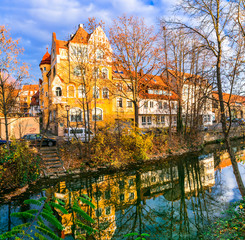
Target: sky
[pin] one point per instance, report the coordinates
(33, 21)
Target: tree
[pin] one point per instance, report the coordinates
(135, 58)
(12, 72)
(212, 21)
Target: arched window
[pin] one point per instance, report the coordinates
(81, 91)
(58, 92)
(96, 92)
(105, 93)
(104, 73)
(97, 115)
(76, 115)
(71, 91)
(99, 54)
(96, 73)
(77, 71)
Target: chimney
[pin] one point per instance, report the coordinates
(141, 73)
(80, 25)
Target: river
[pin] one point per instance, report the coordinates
(171, 199)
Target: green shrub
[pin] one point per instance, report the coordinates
(19, 165)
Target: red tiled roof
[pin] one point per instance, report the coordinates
(30, 87)
(227, 97)
(46, 59)
(81, 36)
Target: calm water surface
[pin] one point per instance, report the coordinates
(169, 200)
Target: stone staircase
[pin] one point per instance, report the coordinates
(52, 164)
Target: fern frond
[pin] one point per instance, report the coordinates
(50, 218)
(32, 211)
(11, 233)
(83, 214)
(42, 225)
(19, 227)
(48, 233)
(47, 207)
(86, 196)
(42, 199)
(33, 201)
(60, 201)
(40, 237)
(87, 228)
(22, 215)
(86, 201)
(58, 206)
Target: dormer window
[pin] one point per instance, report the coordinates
(58, 92)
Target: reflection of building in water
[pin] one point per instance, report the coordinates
(160, 181)
(110, 193)
(225, 160)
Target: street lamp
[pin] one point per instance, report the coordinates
(67, 108)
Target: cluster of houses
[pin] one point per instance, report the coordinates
(64, 97)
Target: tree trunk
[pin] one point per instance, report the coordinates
(136, 114)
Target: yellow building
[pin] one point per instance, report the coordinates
(75, 89)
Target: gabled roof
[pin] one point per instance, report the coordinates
(81, 36)
(46, 59)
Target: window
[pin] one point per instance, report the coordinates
(122, 197)
(105, 93)
(96, 92)
(129, 104)
(158, 119)
(46, 94)
(97, 114)
(81, 91)
(119, 102)
(54, 71)
(155, 91)
(151, 104)
(98, 212)
(121, 184)
(108, 210)
(107, 194)
(150, 91)
(163, 119)
(131, 196)
(104, 73)
(99, 54)
(96, 73)
(145, 105)
(131, 182)
(143, 120)
(58, 92)
(119, 86)
(71, 91)
(149, 120)
(159, 105)
(97, 195)
(165, 105)
(76, 115)
(44, 68)
(129, 87)
(172, 105)
(174, 119)
(77, 71)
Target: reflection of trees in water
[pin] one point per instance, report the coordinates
(125, 201)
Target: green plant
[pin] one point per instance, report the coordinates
(229, 226)
(137, 235)
(44, 222)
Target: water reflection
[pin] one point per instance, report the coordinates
(167, 201)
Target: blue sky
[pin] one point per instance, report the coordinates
(33, 21)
